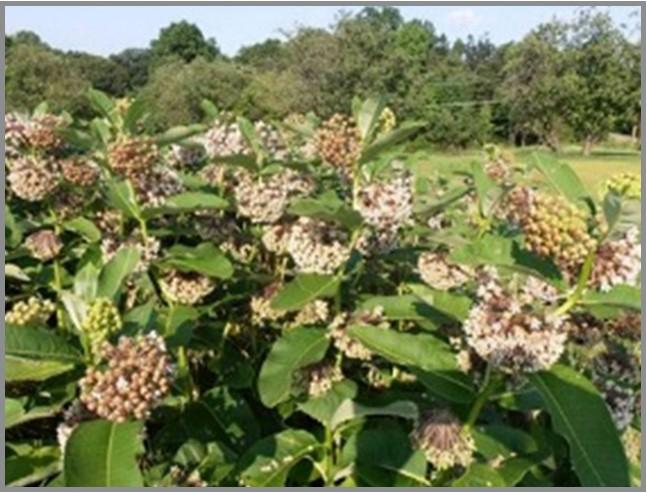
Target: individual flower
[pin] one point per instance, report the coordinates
(133, 378)
(439, 273)
(443, 440)
(509, 332)
(78, 170)
(186, 288)
(44, 244)
(101, 320)
(34, 311)
(338, 141)
(617, 262)
(133, 156)
(31, 178)
(317, 247)
(317, 379)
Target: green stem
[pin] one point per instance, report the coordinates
(330, 458)
(582, 281)
(487, 388)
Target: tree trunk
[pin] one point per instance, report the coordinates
(552, 141)
(587, 146)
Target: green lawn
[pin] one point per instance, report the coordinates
(593, 169)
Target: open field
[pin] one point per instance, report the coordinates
(593, 169)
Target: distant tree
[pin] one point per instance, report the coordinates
(35, 74)
(102, 73)
(268, 55)
(273, 94)
(136, 62)
(183, 40)
(28, 38)
(176, 89)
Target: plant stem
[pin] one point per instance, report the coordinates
(487, 388)
(330, 458)
(582, 281)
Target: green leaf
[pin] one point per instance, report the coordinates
(117, 270)
(486, 189)
(368, 116)
(327, 207)
(349, 410)
(34, 353)
(191, 201)
(452, 305)
(621, 215)
(86, 282)
(13, 412)
(77, 138)
(384, 458)
(76, 308)
(604, 304)
(249, 133)
(13, 231)
(498, 440)
(209, 109)
(595, 448)
(120, 195)
(323, 407)
(205, 259)
(12, 271)
(102, 453)
(561, 177)
(298, 348)
(268, 462)
(513, 470)
(179, 133)
(403, 307)
(84, 227)
(303, 289)
(423, 352)
(134, 115)
(480, 476)
(386, 141)
(101, 102)
(32, 466)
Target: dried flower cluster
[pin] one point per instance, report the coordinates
(34, 311)
(133, 157)
(154, 187)
(44, 244)
(317, 247)
(443, 440)
(386, 205)
(509, 330)
(338, 141)
(136, 376)
(186, 288)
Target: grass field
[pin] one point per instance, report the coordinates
(592, 170)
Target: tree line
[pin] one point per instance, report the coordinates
(575, 80)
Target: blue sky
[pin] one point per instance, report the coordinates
(105, 30)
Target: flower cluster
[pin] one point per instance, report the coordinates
(387, 121)
(510, 330)
(350, 347)
(617, 262)
(101, 320)
(224, 139)
(263, 201)
(316, 246)
(136, 376)
(148, 249)
(154, 187)
(317, 379)
(443, 440)
(43, 245)
(186, 288)
(338, 141)
(133, 157)
(386, 205)
(271, 139)
(79, 171)
(34, 311)
(625, 184)
(32, 178)
(439, 273)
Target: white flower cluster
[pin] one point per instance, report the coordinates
(386, 204)
(317, 247)
(262, 201)
(186, 288)
(510, 333)
(439, 273)
(350, 347)
(618, 262)
(271, 140)
(317, 379)
(156, 186)
(32, 179)
(224, 139)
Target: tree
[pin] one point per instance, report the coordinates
(136, 62)
(268, 55)
(597, 56)
(185, 41)
(102, 73)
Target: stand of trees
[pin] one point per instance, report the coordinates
(565, 80)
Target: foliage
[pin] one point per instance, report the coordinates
(218, 305)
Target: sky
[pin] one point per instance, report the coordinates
(105, 30)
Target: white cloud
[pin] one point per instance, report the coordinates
(463, 18)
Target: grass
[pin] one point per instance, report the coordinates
(592, 170)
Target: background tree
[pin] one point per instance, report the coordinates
(136, 62)
(182, 40)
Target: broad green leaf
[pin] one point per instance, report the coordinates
(32, 466)
(479, 476)
(103, 453)
(135, 113)
(120, 195)
(349, 410)
(368, 116)
(179, 133)
(45, 405)
(117, 270)
(327, 207)
(35, 353)
(210, 109)
(101, 102)
(514, 469)
(323, 407)
(13, 231)
(621, 297)
(205, 259)
(561, 177)
(75, 307)
(249, 133)
(404, 307)
(384, 458)
(452, 305)
(486, 189)
(621, 214)
(386, 141)
(498, 440)
(269, 461)
(298, 348)
(422, 352)
(84, 227)
(101, 130)
(191, 201)
(86, 282)
(13, 412)
(12, 271)
(77, 138)
(595, 448)
(303, 289)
